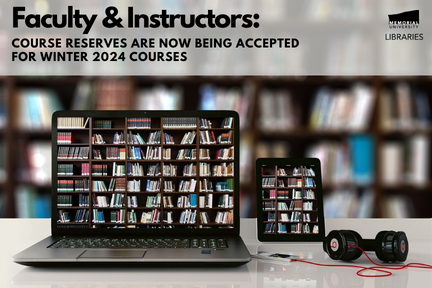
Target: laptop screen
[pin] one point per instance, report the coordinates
(145, 171)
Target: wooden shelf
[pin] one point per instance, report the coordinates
(302, 136)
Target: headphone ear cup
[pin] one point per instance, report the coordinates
(339, 245)
(400, 246)
(334, 244)
(353, 239)
(391, 246)
(380, 245)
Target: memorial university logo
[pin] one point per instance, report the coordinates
(404, 20)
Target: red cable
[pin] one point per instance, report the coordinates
(380, 269)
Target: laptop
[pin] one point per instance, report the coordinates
(143, 188)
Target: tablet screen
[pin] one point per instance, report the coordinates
(289, 198)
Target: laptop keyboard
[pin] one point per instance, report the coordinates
(139, 243)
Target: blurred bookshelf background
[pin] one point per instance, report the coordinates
(372, 134)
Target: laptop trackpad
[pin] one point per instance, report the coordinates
(113, 253)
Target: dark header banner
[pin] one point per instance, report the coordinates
(275, 37)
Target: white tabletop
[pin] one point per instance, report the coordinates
(18, 234)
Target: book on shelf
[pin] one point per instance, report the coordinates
(281, 228)
(269, 228)
(281, 172)
(169, 186)
(268, 182)
(134, 185)
(308, 194)
(107, 91)
(189, 201)
(225, 201)
(72, 122)
(188, 138)
(179, 122)
(139, 123)
(131, 216)
(205, 123)
(206, 185)
(362, 158)
(225, 154)
(207, 137)
(153, 153)
(63, 216)
(296, 228)
(154, 201)
(308, 205)
(135, 139)
(100, 170)
(65, 138)
(64, 200)
(188, 217)
(204, 218)
(224, 169)
(268, 205)
(31, 204)
(65, 185)
(225, 138)
(83, 200)
(271, 216)
(405, 162)
(34, 108)
(186, 154)
(119, 138)
(295, 217)
(81, 216)
(153, 216)
(170, 170)
(168, 217)
(98, 139)
(168, 139)
(187, 185)
(159, 97)
(226, 186)
(65, 169)
(206, 201)
(283, 194)
(104, 124)
(135, 153)
(132, 201)
(154, 137)
(404, 108)
(225, 217)
(153, 185)
(189, 170)
(98, 216)
(204, 154)
(73, 153)
(349, 110)
(167, 202)
(135, 169)
(282, 206)
(277, 111)
(153, 170)
(227, 122)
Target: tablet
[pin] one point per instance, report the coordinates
(289, 199)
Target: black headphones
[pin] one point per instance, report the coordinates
(389, 246)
